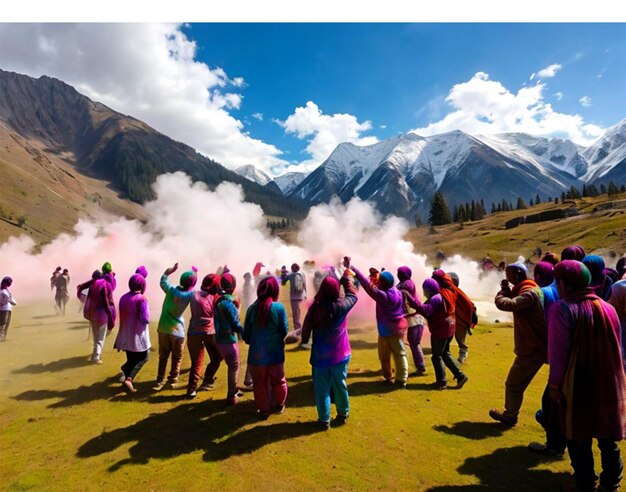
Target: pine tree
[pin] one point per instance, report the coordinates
(493, 208)
(622, 189)
(612, 191)
(532, 204)
(537, 199)
(521, 204)
(602, 189)
(455, 214)
(574, 192)
(439, 211)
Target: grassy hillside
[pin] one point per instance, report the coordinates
(65, 424)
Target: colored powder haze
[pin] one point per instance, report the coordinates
(191, 225)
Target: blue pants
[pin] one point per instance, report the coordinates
(325, 380)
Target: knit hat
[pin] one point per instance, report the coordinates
(143, 271)
(228, 283)
(404, 273)
(518, 266)
(575, 252)
(107, 268)
(386, 280)
(455, 278)
(544, 273)
(189, 278)
(431, 285)
(137, 283)
(574, 273)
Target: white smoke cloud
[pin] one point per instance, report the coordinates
(191, 225)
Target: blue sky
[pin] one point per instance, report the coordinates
(281, 96)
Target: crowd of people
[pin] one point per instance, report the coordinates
(569, 313)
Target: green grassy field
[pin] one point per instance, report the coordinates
(66, 425)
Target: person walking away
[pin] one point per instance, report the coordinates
(465, 318)
(618, 301)
(201, 336)
(587, 376)
(264, 330)
(6, 306)
(297, 296)
(227, 329)
(133, 336)
(390, 323)
(62, 283)
(99, 310)
(414, 320)
(530, 335)
(171, 329)
(326, 321)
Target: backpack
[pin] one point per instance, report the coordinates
(298, 282)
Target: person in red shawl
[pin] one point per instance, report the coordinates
(587, 376)
(530, 336)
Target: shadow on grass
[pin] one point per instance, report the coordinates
(75, 396)
(508, 469)
(473, 430)
(363, 345)
(56, 366)
(46, 316)
(207, 426)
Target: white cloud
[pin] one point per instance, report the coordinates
(481, 105)
(382, 127)
(585, 101)
(148, 71)
(258, 116)
(324, 132)
(549, 71)
(559, 95)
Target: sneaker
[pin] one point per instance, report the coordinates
(461, 382)
(461, 360)
(543, 450)
(323, 425)
(191, 395)
(245, 387)
(503, 419)
(206, 387)
(440, 385)
(128, 386)
(280, 409)
(239, 394)
(419, 371)
(173, 384)
(159, 386)
(97, 361)
(305, 346)
(341, 420)
(400, 384)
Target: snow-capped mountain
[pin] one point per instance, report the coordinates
(607, 157)
(254, 174)
(288, 181)
(400, 175)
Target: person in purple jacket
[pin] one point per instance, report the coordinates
(442, 330)
(390, 322)
(133, 336)
(330, 353)
(99, 310)
(265, 330)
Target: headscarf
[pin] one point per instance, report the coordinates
(431, 285)
(107, 268)
(573, 273)
(96, 275)
(519, 267)
(137, 283)
(600, 283)
(550, 258)
(6, 282)
(143, 271)
(455, 278)
(210, 283)
(405, 282)
(267, 292)
(575, 252)
(322, 306)
(228, 283)
(544, 273)
(386, 280)
(189, 278)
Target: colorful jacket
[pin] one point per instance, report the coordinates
(267, 343)
(586, 365)
(133, 334)
(201, 306)
(171, 321)
(99, 306)
(440, 324)
(331, 345)
(226, 317)
(530, 333)
(618, 301)
(390, 320)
